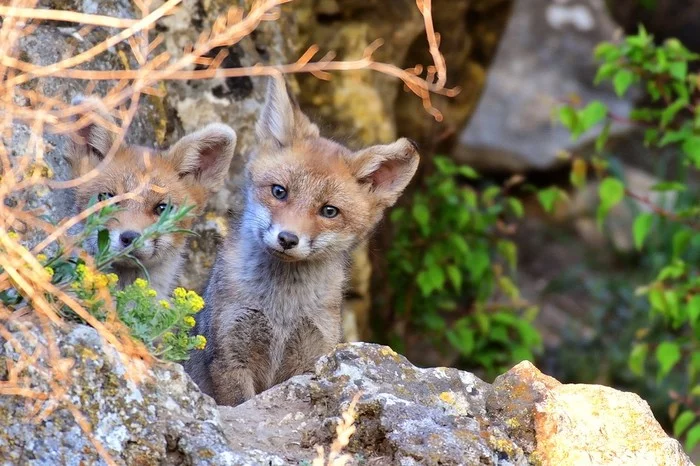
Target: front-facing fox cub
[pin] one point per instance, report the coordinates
(188, 173)
(273, 300)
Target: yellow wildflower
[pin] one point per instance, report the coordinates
(86, 275)
(151, 293)
(13, 235)
(75, 286)
(101, 280)
(141, 283)
(164, 304)
(189, 321)
(41, 257)
(200, 342)
(180, 293)
(113, 278)
(196, 302)
(49, 271)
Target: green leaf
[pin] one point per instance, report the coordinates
(671, 137)
(478, 263)
(638, 356)
(607, 51)
(509, 287)
(694, 310)
(679, 70)
(669, 186)
(103, 242)
(437, 276)
(681, 241)
(668, 354)
(611, 192)
(459, 243)
(509, 251)
(641, 228)
(425, 283)
(516, 206)
(462, 337)
(467, 172)
(682, 423)
(602, 138)
(568, 118)
(397, 214)
(593, 114)
(445, 165)
(606, 71)
(548, 197)
(421, 215)
(671, 111)
(622, 81)
(455, 277)
(692, 438)
(691, 148)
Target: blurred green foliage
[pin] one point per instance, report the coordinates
(667, 234)
(452, 268)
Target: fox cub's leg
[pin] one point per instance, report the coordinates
(232, 386)
(240, 367)
(306, 344)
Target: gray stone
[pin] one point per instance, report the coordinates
(546, 56)
(163, 419)
(406, 415)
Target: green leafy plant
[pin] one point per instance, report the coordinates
(163, 325)
(451, 268)
(671, 118)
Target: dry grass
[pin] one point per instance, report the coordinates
(343, 432)
(19, 267)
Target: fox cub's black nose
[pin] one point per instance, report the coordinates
(287, 240)
(128, 237)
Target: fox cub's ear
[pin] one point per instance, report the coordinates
(386, 168)
(93, 141)
(281, 120)
(206, 154)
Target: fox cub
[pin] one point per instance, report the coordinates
(188, 173)
(273, 301)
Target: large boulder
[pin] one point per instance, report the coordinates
(404, 414)
(163, 419)
(545, 58)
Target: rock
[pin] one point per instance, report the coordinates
(406, 415)
(597, 425)
(163, 420)
(546, 56)
(579, 424)
(512, 399)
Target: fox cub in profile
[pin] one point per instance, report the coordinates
(273, 300)
(188, 173)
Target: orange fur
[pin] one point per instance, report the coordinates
(187, 174)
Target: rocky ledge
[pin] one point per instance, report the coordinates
(405, 415)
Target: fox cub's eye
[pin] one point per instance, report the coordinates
(160, 208)
(329, 211)
(104, 196)
(279, 192)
